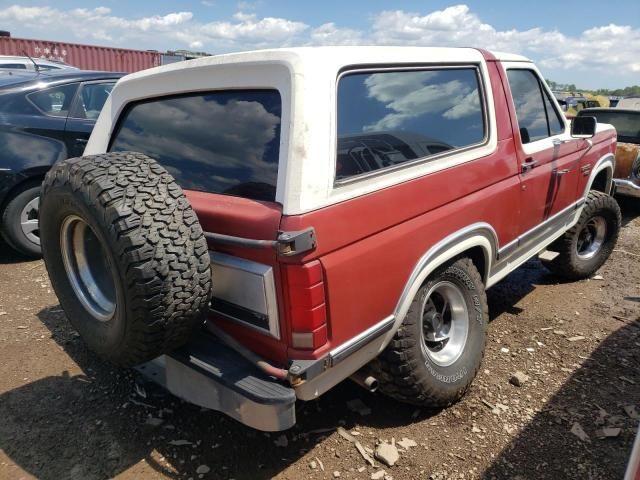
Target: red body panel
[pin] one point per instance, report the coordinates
(368, 246)
(544, 191)
(246, 218)
(602, 145)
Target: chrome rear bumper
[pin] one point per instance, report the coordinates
(209, 374)
(627, 187)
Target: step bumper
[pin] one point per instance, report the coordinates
(207, 373)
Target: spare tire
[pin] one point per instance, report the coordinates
(125, 253)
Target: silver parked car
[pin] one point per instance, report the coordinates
(26, 63)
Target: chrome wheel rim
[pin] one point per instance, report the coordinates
(29, 221)
(87, 267)
(445, 323)
(591, 238)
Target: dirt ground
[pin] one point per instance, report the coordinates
(66, 414)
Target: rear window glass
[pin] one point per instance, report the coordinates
(220, 142)
(391, 117)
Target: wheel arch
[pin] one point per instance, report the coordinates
(601, 177)
(477, 241)
(33, 178)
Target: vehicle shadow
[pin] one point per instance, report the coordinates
(546, 449)
(8, 255)
(504, 297)
(101, 421)
(630, 208)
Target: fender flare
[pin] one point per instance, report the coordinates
(606, 162)
(479, 234)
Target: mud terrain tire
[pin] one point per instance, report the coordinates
(125, 253)
(407, 371)
(600, 213)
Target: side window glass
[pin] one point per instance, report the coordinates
(529, 103)
(54, 101)
(14, 66)
(387, 118)
(92, 98)
(556, 126)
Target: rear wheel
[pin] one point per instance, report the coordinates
(439, 347)
(20, 226)
(586, 246)
(125, 253)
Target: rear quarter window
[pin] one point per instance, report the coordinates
(224, 142)
(387, 118)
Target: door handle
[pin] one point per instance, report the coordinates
(557, 142)
(529, 163)
(562, 172)
(82, 141)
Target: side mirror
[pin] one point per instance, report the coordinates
(583, 127)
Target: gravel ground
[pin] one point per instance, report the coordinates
(66, 414)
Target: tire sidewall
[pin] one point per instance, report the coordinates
(101, 336)
(588, 265)
(461, 372)
(11, 221)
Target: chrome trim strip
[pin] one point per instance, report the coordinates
(545, 229)
(508, 249)
(350, 346)
(480, 228)
(265, 272)
(627, 187)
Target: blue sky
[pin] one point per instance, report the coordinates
(578, 42)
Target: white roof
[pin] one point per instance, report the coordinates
(509, 57)
(306, 80)
(332, 57)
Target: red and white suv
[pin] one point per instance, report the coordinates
(254, 228)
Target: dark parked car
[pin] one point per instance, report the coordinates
(44, 118)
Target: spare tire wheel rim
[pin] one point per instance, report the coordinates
(591, 238)
(86, 263)
(29, 221)
(445, 323)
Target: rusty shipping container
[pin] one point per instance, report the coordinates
(86, 57)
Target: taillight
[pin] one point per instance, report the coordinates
(307, 309)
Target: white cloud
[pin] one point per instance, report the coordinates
(170, 31)
(330, 34)
(610, 52)
(412, 98)
(605, 49)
